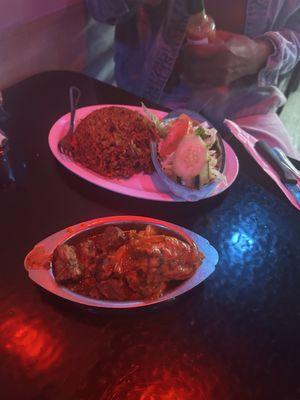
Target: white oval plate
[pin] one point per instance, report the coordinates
(44, 277)
(143, 186)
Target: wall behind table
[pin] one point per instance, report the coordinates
(40, 35)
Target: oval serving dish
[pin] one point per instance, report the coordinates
(38, 261)
(179, 190)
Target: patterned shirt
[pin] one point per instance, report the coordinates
(149, 39)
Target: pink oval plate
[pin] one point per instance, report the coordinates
(143, 186)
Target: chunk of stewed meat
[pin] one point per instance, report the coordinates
(66, 266)
(180, 259)
(125, 265)
(175, 259)
(111, 238)
(88, 254)
(116, 289)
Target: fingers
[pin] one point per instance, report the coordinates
(202, 51)
(199, 74)
(218, 63)
(223, 36)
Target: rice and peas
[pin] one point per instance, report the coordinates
(114, 142)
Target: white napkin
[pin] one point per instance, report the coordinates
(248, 142)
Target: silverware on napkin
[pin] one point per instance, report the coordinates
(286, 174)
(283, 157)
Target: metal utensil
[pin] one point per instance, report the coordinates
(294, 190)
(287, 177)
(282, 170)
(283, 157)
(64, 144)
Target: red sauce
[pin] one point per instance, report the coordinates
(38, 258)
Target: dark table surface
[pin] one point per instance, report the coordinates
(236, 336)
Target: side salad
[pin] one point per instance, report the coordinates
(188, 151)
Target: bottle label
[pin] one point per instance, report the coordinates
(197, 41)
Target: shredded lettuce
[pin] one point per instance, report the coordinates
(200, 131)
(156, 121)
(209, 137)
(206, 133)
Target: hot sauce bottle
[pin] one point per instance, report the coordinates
(201, 28)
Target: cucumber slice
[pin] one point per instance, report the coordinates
(203, 178)
(204, 175)
(190, 157)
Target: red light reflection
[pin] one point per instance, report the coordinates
(186, 378)
(30, 342)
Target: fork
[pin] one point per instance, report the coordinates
(64, 144)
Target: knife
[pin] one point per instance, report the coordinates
(286, 161)
(287, 176)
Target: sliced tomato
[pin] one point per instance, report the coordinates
(177, 131)
(184, 116)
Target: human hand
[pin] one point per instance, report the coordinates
(229, 58)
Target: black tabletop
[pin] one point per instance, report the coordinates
(236, 336)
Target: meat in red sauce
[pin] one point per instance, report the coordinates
(125, 265)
